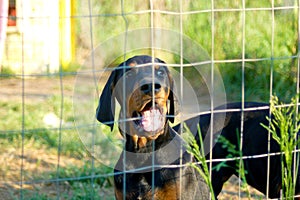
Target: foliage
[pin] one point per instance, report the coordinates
(221, 33)
(198, 152)
(5, 72)
(16, 127)
(284, 127)
(79, 184)
(236, 153)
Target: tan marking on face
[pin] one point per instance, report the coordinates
(132, 64)
(156, 67)
(136, 102)
(138, 99)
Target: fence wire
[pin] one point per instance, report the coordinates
(50, 159)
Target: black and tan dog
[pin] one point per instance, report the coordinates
(145, 93)
(147, 104)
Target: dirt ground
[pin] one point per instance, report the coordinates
(35, 89)
(38, 89)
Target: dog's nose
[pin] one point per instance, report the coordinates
(148, 88)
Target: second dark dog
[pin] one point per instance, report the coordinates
(255, 143)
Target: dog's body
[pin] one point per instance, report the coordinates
(254, 146)
(163, 182)
(146, 101)
(147, 104)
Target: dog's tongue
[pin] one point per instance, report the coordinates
(152, 120)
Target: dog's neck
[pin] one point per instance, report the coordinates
(165, 149)
(138, 144)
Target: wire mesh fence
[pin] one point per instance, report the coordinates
(52, 147)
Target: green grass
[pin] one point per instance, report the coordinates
(284, 128)
(234, 152)
(79, 184)
(199, 154)
(6, 71)
(227, 38)
(280, 54)
(41, 144)
(18, 120)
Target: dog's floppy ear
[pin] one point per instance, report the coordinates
(106, 108)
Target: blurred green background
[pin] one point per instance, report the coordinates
(273, 46)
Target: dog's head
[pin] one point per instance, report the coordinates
(144, 89)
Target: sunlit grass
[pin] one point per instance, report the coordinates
(284, 128)
(197, 150)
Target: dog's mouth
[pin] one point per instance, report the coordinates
(150, 119)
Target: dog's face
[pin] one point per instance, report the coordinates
(144, 91)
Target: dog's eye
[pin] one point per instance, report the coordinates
(160, 72)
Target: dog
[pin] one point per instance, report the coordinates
(144, 87)
(255, 142)
(145, 97)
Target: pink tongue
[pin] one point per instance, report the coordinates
(152, 120)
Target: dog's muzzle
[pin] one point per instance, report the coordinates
(150, 119)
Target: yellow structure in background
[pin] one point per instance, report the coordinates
(43, 38)
(67, 9)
